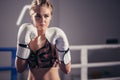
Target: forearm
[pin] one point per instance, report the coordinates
(20, 64)
(65, 68)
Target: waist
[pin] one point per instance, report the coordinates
(44, 73)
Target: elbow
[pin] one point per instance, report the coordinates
(20, 65)
(66, 68)
(67, 71)
(20, 70)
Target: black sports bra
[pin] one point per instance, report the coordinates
(44, 57)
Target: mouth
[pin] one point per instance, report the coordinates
(42, 24)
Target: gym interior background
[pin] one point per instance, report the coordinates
(85, 22)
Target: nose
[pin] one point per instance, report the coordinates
(42, 19)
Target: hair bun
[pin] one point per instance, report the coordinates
(36, 4)
(41, 1)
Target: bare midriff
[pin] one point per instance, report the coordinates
(44, 74)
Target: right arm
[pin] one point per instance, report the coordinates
(20, 64)
(25, 34)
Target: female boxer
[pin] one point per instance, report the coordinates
(43, 50)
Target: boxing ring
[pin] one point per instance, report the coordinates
(12, 66)
(84, 65)
(84, 60)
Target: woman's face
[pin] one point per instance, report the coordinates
(41, 18)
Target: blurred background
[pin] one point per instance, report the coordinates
(85, 22)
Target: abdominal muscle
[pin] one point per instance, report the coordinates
(44, 74)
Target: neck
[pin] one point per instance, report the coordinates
(41, 34)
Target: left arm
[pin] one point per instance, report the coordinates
(65, 60)
(58, 37)
(66, 68)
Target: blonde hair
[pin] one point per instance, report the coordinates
(36, 4)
